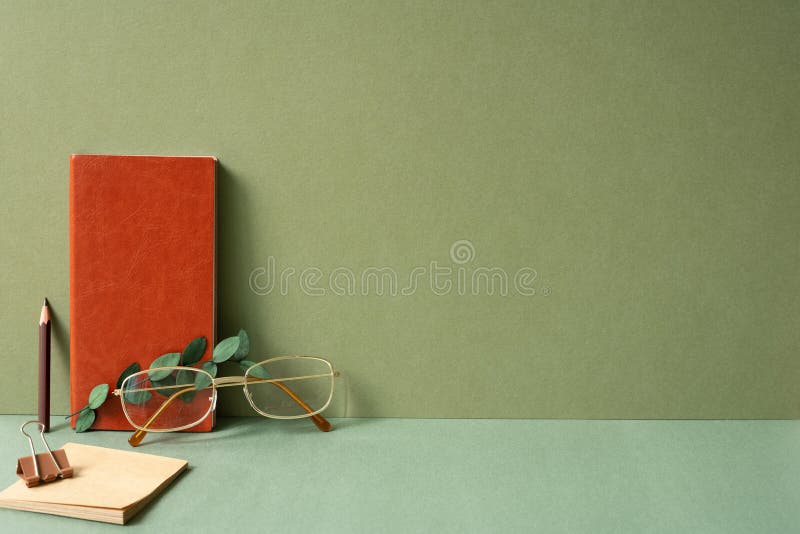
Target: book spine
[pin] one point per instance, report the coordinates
(72, 312)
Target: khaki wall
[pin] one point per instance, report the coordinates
(641, 157)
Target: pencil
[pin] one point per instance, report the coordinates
(44, 366)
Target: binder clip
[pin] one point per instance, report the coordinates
(45, 466)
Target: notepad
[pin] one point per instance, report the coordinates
(108, 485)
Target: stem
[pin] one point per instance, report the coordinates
(76, 413)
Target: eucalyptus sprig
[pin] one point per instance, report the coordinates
(86, 415)
(234, 348)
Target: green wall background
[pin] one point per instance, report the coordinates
(642, 157)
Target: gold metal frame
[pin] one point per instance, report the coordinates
(228, 381)
(280, 382)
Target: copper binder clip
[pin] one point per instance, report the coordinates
(45, 466)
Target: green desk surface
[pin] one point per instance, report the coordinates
(404, 475)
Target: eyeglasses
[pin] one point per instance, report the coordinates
(167, 399)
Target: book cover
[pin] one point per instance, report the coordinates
(109, 485)
(142, 271)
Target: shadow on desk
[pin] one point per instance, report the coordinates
(236, 428)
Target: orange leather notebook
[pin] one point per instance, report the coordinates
(142, 272)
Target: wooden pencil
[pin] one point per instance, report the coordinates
(44, 366)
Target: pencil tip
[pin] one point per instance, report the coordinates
(44, 302)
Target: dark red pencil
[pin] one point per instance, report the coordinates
(44, 366)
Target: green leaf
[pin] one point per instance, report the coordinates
(225, 349)
(193, 351)
(98, 396)
(131, 369)
(165, 384)
(170, 359)
(187, 378)
(201, 381)
(244, 346)
(258, 372)
(210, 368)
(85, 420)
(137, 397)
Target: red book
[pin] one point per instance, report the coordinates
(142, 273)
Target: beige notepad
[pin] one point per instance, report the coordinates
(107, 485)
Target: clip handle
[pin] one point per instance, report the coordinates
(51, 466)
(30, 442)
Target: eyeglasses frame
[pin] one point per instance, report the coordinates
(229, 381)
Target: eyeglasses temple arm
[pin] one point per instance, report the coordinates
(322, 423)
(137, 437)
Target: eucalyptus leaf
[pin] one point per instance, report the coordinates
(98, 396)
(244, 346)
(201, 381)
(193, 351)
(188, 379)
(85, 420)
(170, 359)
(225, 349)
(131, 369)
(137, 397)
(257, 372)
(163, 387)
(185, 378)
(210, 368)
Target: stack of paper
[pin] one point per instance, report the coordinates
(107, 485)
